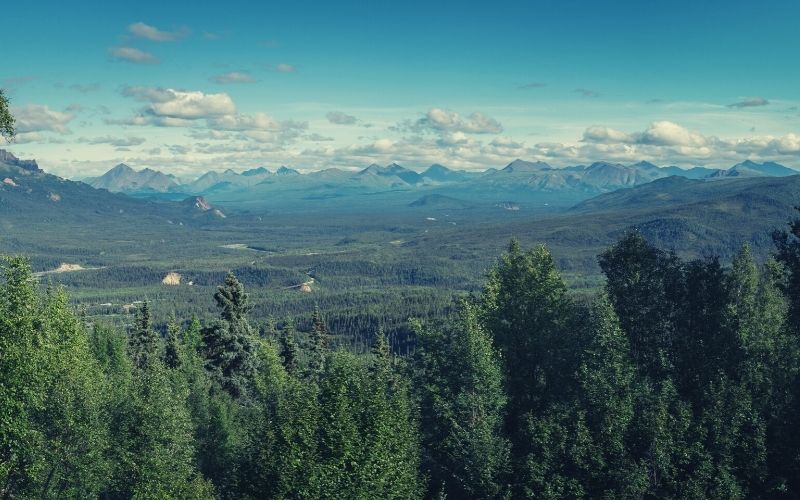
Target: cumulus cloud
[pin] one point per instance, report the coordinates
(658, 133)
(132, 55)
(604, 135)
(233, 77)
(444, 120)
(142, 30)
(213, 116)
(666, 133)
(252, 121)
(181, 105)
(340, 118)
(750, 102)
(40, 118)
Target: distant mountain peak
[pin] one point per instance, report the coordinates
(525, 166)
(645, 165)
(436, 168)
(752, 168)
(255, 171)
(120, 167)
(287, 171)
(124, 179)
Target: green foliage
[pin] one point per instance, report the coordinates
(288, 348)
(53, 432)
(459, 381)
(680, 381)
(172, 349)
(228, 344)
(144, 341)
(7, 130)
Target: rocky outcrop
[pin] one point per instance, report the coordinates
(9, 159)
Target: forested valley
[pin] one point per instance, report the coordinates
(678, 380)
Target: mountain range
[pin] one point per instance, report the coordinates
(30, 196)
(535, 183)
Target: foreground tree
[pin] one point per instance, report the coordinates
(526, 309)
(7, 129)
(459, 382)
(228, 344)
(53, 431)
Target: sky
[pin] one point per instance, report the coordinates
(186, 88)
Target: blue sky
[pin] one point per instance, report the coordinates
(470, 85)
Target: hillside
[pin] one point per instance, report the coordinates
(30, 196)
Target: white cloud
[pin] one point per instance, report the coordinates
(153, 34)
(666, 133)
(604, 135)
(180, 104)
(439, 119)
(132, 55)
(40, 118)
(254, 121)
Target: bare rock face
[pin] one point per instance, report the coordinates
(8, 181)
(201, 204)
(9, 159)
(171, 279)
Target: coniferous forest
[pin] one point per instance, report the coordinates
(678, 380)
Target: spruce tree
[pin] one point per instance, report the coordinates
(318, 349)
(462, 398)
(642, 283)
(526, 309)
(144, 342)
(228, 344)
(172, 349)
(288, 348)
(22, 380)
(787, 244)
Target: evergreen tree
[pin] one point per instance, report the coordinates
(607, 381)
(72, 417)
(192, 336)
(144, 342)
(460, 386)
(172, 349)
(391, 436)
(787, 245)
(22, 381)
(643, 284)
(526, 309)
(53, 431)
(228, 345)
(318, 350)
(7, 128)
(157, 440)
(288, 348)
